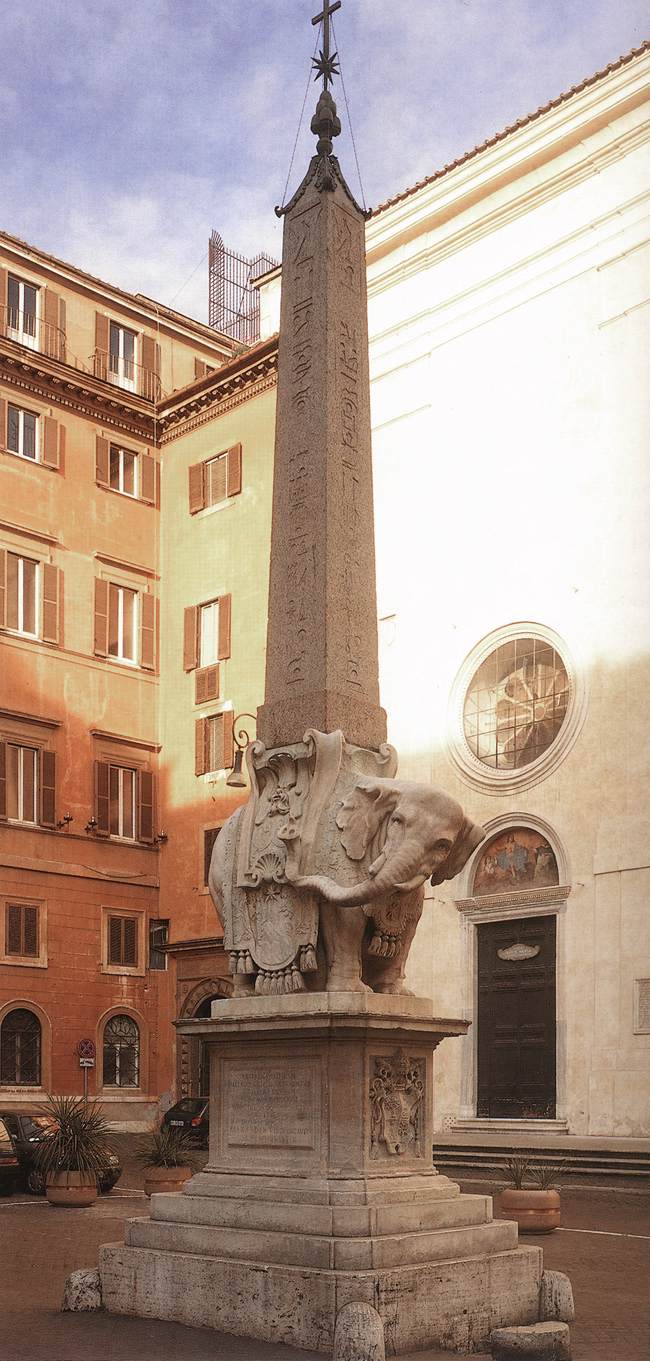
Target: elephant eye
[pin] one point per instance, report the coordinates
(442, 845)
(398, 819)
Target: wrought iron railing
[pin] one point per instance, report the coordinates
(31, 331)
(126, 374)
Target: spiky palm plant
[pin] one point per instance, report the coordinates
(547, 1175)
(78, 1138)
(517, 1168)
(164, 1146)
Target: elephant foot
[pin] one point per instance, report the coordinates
(396, 987)
(342, 984)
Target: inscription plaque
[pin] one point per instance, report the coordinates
(642, 1006)
(271, 1105)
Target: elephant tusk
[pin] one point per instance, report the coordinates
(410, 884)
(377, 864)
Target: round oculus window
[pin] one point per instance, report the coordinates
(516, 703)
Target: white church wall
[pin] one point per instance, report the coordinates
(510, 422)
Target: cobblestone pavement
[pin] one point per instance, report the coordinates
(604, 1246)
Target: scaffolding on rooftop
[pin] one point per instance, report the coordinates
(234, 302)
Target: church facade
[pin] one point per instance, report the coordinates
(508, 313)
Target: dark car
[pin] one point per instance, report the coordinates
(192, 1115)
(9, 1164)
(27, 1129)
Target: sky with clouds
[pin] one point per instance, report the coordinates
(130, 128)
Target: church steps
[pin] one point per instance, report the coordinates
(491, 1158)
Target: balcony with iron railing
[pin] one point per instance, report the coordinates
(30, 330)
(126, 374)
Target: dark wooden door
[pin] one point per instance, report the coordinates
(516, 1019)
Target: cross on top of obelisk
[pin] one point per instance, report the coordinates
(326, 63)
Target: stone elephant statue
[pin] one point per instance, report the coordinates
(398, 834)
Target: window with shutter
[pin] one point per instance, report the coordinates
(148, 619)
(48, 789)
(209, 837)
(145, 806)
(23, 591)
(123, 941)
(23, 927)
(20, 1049)
(121, 1052)
(158, 936)
(51, 603)
(21, 783)
(122, 803)
(206, 684)
(23, 432)
(53, 443)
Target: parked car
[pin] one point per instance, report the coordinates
(9, 1164)
(26, 1129)
(192, 1113)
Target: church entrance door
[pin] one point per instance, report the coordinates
(516, 1019)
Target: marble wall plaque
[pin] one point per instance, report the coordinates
(271, 1105)
(642, 1006)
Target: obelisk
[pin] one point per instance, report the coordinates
(319, 1191)
(321, 661)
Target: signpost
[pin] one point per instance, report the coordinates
(86, 1053)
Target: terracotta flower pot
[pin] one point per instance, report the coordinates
(533, 1211)
(74, 1189)
(165, 1179)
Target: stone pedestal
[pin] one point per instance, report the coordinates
(319, 1190)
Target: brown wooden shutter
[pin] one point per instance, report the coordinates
(206, 684)
(101, 460)
(148, 479)
(102, 332)
(3, 780)
(50, 605)
(130, 940)
(3, 423)
(201, 732)
(145, 805)
(148, 613)
(101, 617)
(51, 319)
(197, 488)
(30, 931)
(3, 588)
(102, 776)
(13, 929)
(228, 741)
(150, 368)
(225, 611)
(115, 940)
(3, 301)
(200, 368)
(48, 789)
(233, 477)
(190, 638)
(50, 455)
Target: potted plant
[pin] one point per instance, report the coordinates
(74, 1152)
(167, 1157)
(535, 1209)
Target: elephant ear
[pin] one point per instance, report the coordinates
(361, 814)
(469, 837)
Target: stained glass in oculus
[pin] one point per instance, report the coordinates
(516, 703)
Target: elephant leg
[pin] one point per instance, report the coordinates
(343, 930)
(388, 975)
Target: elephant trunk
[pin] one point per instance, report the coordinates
(395, 872)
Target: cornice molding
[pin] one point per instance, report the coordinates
(139, 742)
(64, 386)
(125, 566)
(524, 901)
(199, 409)
(559, 128)
(16, 716)
(7, 527)
(498, 216)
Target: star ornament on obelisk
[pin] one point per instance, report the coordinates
(324, 64)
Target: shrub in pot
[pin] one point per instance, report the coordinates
(75, 1151)
(535, 1209)
(167, 1157)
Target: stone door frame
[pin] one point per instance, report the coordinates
(188, 1060)
(497, 907)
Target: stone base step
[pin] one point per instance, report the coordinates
(303, 1249)
(452, 1305)
(342, 1221)
(405, 1189)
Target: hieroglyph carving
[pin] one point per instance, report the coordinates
(396, 1095)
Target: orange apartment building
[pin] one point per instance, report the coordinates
(83, 369)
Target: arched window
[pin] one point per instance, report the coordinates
(121, 1052)
(20, 1049)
